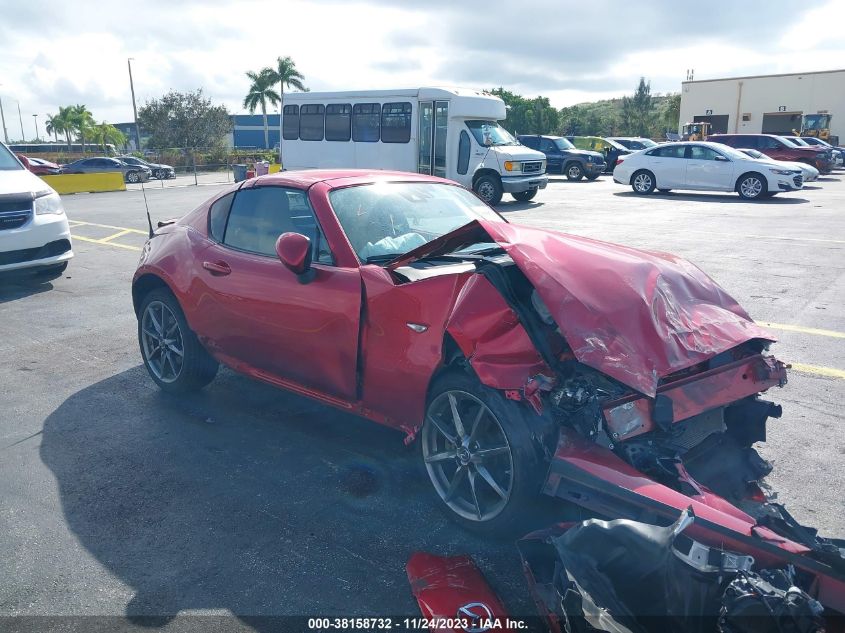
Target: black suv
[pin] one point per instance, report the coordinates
(563, 157)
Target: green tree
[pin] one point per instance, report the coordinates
(184, 119)
(672, 112)
(105, 133)
(260, 92)
(527, 116)
(81, 122)
(54, 126)
(63, 123)
(638, 111)
(286, 74)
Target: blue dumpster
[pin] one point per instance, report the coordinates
(239, 172)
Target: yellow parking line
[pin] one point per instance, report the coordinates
(804, 330)
(107, 226)
(830, 372)
(116, 235)
(104, 243)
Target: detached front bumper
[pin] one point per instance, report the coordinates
(44, 240)
(516, 184)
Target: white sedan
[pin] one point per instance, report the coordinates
(704, 166)
(809, 172)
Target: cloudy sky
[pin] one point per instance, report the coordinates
(58, 53)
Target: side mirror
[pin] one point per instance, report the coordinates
(294, 251)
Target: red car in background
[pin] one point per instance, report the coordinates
(779, 148)
(520, 360)
(39, 166)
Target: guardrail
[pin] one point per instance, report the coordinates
(79, 183)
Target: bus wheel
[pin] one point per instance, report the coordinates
(489, 189)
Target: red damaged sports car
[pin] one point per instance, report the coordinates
(521, 360)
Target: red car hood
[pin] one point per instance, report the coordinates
(634, 315)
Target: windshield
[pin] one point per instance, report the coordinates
(800, 142)
(646, 142)
(787, 142)
(491, 130)
(563, 144)
(730, 152)
(753, 153)
(385, 220)
(8, 162)
(816, 121)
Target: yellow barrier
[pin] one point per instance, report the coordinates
(274, 168)
(78, 183)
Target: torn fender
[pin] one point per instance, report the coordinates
(634, 315)
(490, 335)
(452, 591)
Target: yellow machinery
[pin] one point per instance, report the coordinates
(697, 131)
(817, 125)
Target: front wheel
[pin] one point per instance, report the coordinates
(525, 196)
(574, 171)
(593, 177)
(484, 467)
(133, 176)
(642, 182)
(172, 354)
(751, 187)
(489, 189)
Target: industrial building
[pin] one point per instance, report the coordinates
(248, 131)
(768, 104)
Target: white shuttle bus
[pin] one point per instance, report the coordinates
(448, 132)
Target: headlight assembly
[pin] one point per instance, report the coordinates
(48, 202)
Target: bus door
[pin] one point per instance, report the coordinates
(434, 118)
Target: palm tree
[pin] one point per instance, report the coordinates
(260, 92)
(62, 122)
(54, 125)
(81, 121)
(104, 133)
(287, 75)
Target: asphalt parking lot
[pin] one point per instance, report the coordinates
(118, 500)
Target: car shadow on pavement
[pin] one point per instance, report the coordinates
(248, 499)
(17, 286)
(514, 205)
(712, 197)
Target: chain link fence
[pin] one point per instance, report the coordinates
(198, 166)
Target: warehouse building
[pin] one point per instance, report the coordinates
(768, 104)
(248, 131)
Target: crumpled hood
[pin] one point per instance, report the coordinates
(634, 315)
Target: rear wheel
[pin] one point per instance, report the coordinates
(489, 189)
(574, 171)
(593, 177)
(479, 455)
(525, 196)
(751, 187)
(642, 182)
(172, 354)
(161, 174)
(132, 176)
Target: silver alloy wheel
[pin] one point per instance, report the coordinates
(467, 456)
(132, 176)
(486, 191)
(161, 342)
(642, 183)
(751, 187)
(574, 172)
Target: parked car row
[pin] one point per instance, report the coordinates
(133, 169)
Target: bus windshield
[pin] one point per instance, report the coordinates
(491, 130)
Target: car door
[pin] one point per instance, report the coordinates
(253, 310)
(668, 165)
(554, 159)
(708, 169)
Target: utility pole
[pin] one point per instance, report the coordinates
(35, 116)
(20, 118)
(134, 107)
(3, 117)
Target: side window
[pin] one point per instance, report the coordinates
(217, 216)
(463, 152)
(396, 123)
(767, 142)
(529, 141)
(311, 122)
(338, 122)
(669, 151)
(290, 123)
(546, 146)
(258, 216)
(747, 142)
(699, 152)
(366, 122)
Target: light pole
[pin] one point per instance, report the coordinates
(3, 117)
(20, 118)
(35, 116)
(134, 108)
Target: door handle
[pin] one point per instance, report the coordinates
(217, 268)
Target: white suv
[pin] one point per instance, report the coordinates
(34, 231)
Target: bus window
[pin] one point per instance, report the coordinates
(338, 120)
(311, 122)
(396, 123)
(290, 123)
(366, 119)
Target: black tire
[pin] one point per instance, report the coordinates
(664, 190)
(525, 196)
(160, 174)
(643, 182)
(573, 171)
(133, 176)
(593, 177)
(751, 186)
(522, 469)
(52, 272)
(489, 189)
(197, 367)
